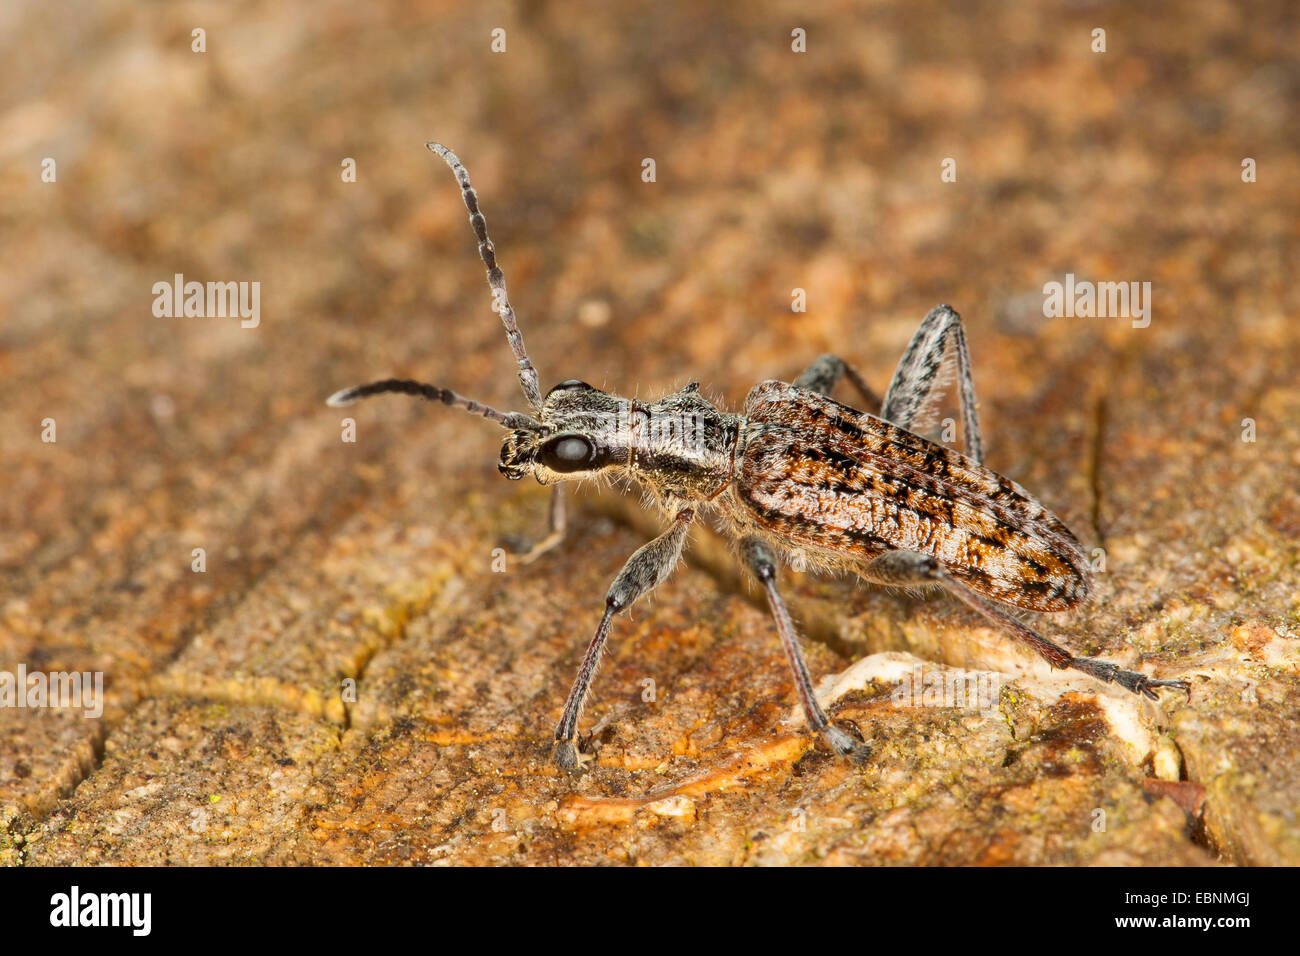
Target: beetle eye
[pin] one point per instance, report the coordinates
(567, 384)
(567, 453)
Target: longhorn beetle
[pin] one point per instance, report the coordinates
(797, 471)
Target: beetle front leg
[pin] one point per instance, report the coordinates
(556, 524)
(913, 569)
(645, 570)
(918, 377)
(761, 563)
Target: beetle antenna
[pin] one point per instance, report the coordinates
(433, 393)
(496, 278)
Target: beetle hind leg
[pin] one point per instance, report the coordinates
(917, 382)
(913, 569)
(1110, 673)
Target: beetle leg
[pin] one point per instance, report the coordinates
(556, 522)
(913, 569)
(917, 379)
(823, 375)
(645, 570)
(760, 562)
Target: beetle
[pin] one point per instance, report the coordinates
(796, 470)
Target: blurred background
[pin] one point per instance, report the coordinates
(775, 170)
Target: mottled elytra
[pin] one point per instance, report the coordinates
(799, 472)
